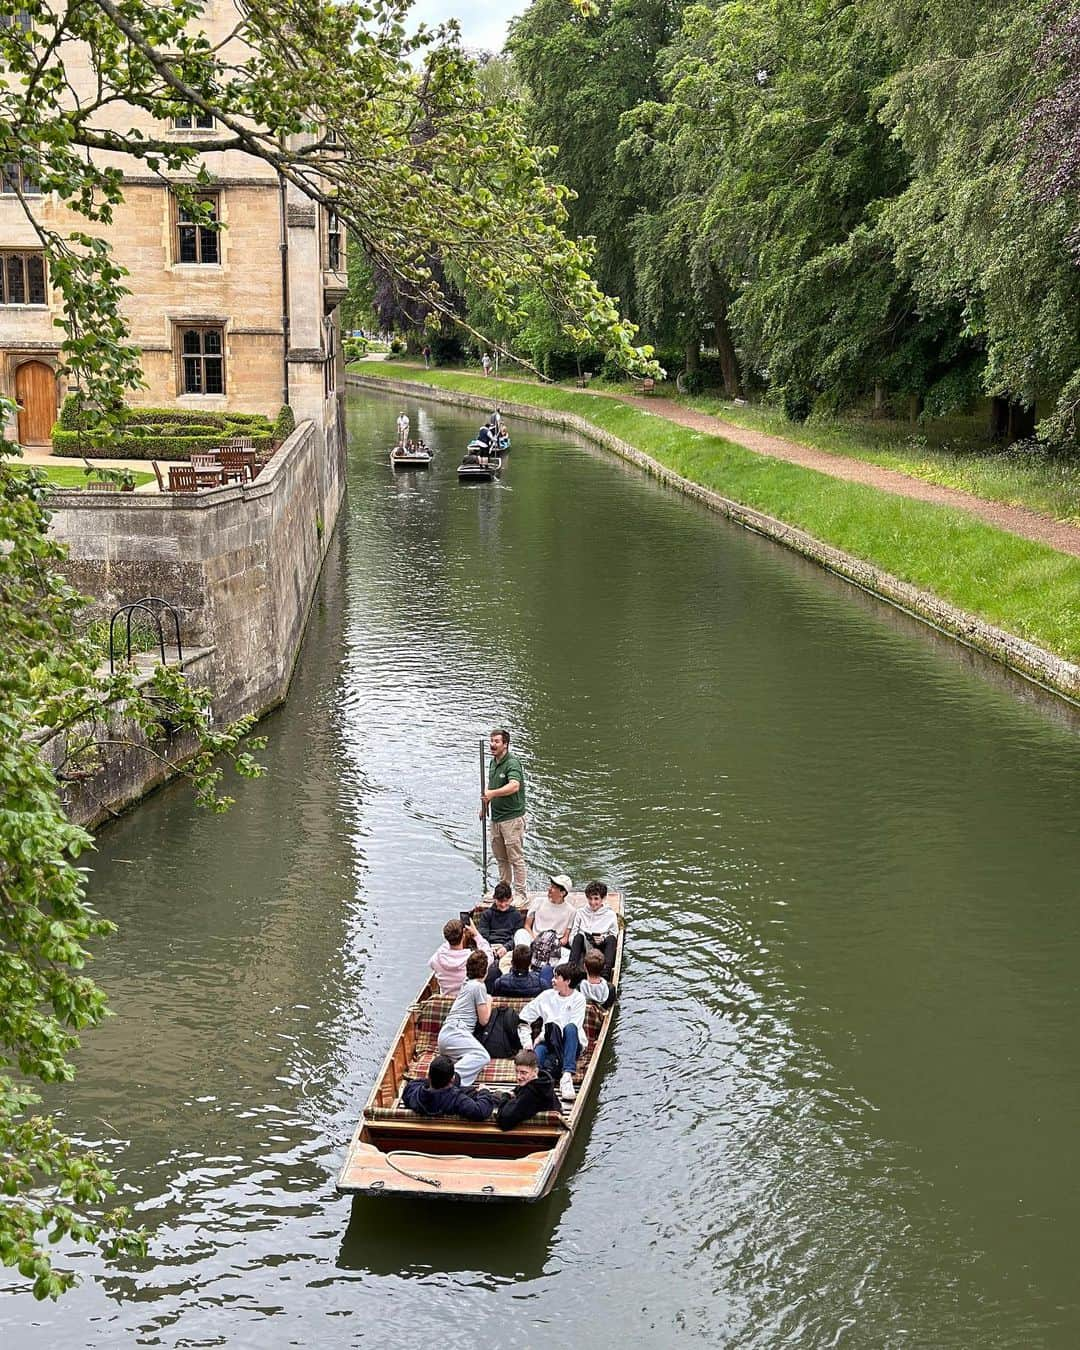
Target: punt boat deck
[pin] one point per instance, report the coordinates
(396, 1152)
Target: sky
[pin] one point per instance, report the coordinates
(482, 25)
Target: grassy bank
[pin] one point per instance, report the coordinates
(950, 451)
(1020, 586)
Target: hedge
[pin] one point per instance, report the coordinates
(73, 417)
(146, 443)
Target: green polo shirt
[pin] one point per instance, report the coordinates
(500, 771)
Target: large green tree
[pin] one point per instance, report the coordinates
(52, 689)
(969, 229)
(391, 132)
(582, 73)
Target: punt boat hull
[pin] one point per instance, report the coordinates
(396, 1152)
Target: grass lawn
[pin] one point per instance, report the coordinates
(1015, 584)
(950, 451)
(70, 476)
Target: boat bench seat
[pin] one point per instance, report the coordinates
(431, 1014)
(401, 1114)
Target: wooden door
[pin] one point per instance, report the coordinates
(35, 392)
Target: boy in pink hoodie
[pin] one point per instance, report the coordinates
(448, 963)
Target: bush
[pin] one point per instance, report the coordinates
(284, 423)
(354, 348)
(155, 442)
(396, 346)
(160, 433)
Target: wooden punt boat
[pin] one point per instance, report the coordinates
(396, 1152)
(413, 457)
(483, 471)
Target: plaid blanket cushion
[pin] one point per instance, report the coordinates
(401, 1113)
(431, 1014)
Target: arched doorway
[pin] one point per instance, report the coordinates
(35, 393)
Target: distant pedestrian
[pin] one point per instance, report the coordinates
(427, 357)
(485, 361)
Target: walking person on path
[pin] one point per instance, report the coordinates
(504, 800)
(485, 361)
(427, 357)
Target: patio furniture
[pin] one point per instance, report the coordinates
(182, 478)
(237, 466)
(208, 472)
(157, 474)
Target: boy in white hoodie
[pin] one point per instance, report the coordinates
(595, 927)
(563, 1006)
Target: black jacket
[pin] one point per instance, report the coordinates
(499, 927)
(421, 1097)
(527, 1101)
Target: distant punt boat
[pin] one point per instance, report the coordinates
(394, 1151)
(410, 457)
(481, 469)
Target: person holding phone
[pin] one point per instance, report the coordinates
(448, 961)
(499, 921)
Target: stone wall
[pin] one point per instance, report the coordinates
(134, 766)
(240, 562)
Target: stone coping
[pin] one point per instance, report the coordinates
(1034, 663)
(66, 499)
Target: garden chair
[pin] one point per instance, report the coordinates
(237, 466)
(182, 478)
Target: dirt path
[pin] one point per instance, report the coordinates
(1019, 520)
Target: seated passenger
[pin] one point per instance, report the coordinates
(500, 921)
(552, 914)
(472, 1007)
(535, 1092)
(561, 1010)
(519, 981)
(449, 961)
(595, 988)
(470, 459)
(594, 927)
(439, 1095)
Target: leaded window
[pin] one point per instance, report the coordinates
(202, 360)
(195, 242)
(22, 279)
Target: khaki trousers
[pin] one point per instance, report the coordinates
(508, 848)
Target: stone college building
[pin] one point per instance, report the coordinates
(242, 319)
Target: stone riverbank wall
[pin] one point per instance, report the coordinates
(239, 562)
(1052, 672)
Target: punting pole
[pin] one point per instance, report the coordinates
(483, 817)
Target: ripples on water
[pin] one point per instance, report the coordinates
(837, 1107)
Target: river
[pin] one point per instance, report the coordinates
(840, 1106)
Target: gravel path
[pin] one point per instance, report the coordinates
(1019, 520)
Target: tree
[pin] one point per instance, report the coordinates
(413, 161)
(582, 74)
(50, 1188)
(968, 228)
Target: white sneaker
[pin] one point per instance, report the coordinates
(567, 1091)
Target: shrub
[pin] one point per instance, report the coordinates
(159, 433)
(354, 348)
(155, 443)
(284, 423)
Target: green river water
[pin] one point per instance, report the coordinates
(841, 1104)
